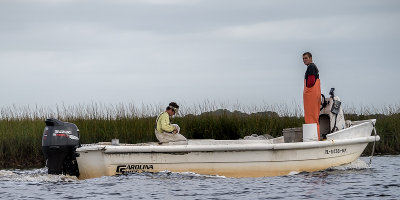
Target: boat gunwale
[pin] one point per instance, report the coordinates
(110, 149)
(248, 146)
(363, 122)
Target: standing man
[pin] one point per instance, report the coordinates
(164, 130)
(311, 92)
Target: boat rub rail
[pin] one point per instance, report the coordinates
(110, 149)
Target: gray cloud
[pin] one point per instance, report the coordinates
(157, 51)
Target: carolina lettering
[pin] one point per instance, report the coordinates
(124, 169)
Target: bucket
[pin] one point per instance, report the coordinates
(310, 132)
(115, 141)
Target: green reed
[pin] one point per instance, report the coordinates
(21, 128)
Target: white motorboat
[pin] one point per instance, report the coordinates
(230, 158)
(344, 142)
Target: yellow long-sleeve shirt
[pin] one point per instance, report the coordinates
(164, 124)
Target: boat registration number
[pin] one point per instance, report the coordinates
(335, 151)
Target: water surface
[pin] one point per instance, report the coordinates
(358, 180)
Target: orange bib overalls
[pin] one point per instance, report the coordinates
(312, 103)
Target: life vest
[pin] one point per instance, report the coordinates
(312, 102)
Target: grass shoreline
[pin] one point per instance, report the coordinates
(21, 135)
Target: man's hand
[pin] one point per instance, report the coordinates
(175, 131)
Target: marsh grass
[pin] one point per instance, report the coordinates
(21, 128)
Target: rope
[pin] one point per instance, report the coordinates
(373, 147)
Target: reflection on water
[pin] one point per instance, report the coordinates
(355, 181)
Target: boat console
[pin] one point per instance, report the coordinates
(331, 118)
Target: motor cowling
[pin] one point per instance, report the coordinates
(59, 143)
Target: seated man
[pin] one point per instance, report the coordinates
(164, 130)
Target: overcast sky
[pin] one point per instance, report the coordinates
(156, 51)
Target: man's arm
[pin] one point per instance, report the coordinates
(310, 80)
(166, 125)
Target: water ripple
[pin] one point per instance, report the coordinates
(354, 181)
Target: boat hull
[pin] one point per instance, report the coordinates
(238, 158)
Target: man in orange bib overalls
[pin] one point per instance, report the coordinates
(311, 92)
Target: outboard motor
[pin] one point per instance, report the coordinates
(60, 140)
(331, 118)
